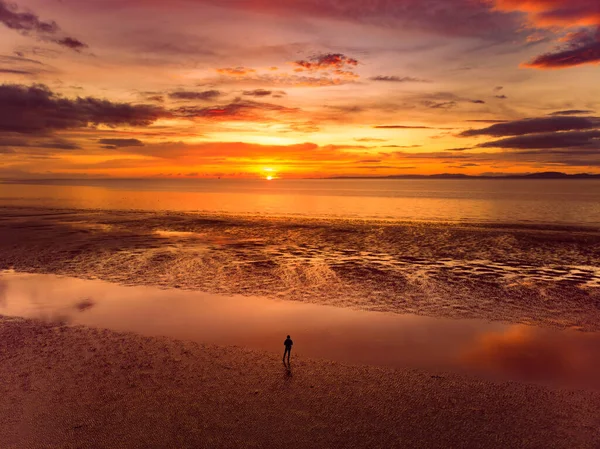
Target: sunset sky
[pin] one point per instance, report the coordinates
(298, 88)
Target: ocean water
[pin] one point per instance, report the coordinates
(519, 251)
(550, 202)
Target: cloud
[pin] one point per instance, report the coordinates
(535, 125)
(369, 139)
(477, 101)
(187, 95)
(72, 43)
(562, 16)
(566, 139)
(501, 97)
(321, 79)
(445, 17)
(440, 105)
(28, 22)
(327, 61)
(402, 127)
(236, 71)
(18, 65)
(333, 64)
(36, 109)
(573, 112)
(20, 142)
(264, 93)
(121, 143)
(17, 72)
(550, 13)
(487, 121)
(579, 48)
(399, 79)
(238, 110)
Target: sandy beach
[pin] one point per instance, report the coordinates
(69, 387)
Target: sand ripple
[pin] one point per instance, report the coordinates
(512, 273)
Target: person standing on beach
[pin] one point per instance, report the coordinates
(288, 348)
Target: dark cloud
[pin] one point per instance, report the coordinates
(486, 121)
(498, 88)
(121, 143)
(258, 93)
(399, 79)
(28, 22)
(264, 93)
(17, 65)
(59, 145)
(580, 48)
(402, 127)
(188, 95)
(501, 97)
(242, 109)
(24, 21)
(573, 112)
(477, 101)
(328, 61)
(440, 105)
(72, 43)
(567, 139)
(535, 125)
(21, 142)
(36, 109)
(17, 72)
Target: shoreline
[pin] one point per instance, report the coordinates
(74, 386)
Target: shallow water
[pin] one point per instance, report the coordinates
(476, 347)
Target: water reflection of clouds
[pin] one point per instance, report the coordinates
(534, 354)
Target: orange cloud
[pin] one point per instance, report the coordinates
(236, 71)
(547, 13)
(575, 48)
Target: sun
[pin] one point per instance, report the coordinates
(269, 178)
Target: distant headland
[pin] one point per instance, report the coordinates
(541, 175)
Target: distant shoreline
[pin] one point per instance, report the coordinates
(542, 175)
(535, 176)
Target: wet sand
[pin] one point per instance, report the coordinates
(544, 275)
(490, 350)
(68, 387)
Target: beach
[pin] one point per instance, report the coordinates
(160, 327)
(68, 387)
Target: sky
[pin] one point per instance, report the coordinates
(298, 88)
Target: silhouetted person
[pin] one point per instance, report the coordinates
(288, 348)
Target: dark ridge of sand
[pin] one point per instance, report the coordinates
(540, 275)
(75, 387)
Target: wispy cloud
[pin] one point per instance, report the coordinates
(28, 22)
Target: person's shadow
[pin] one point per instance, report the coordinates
(287, 373)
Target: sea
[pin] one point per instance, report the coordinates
(517, 201)
(493, 277)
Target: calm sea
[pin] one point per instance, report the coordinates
(562, 202)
